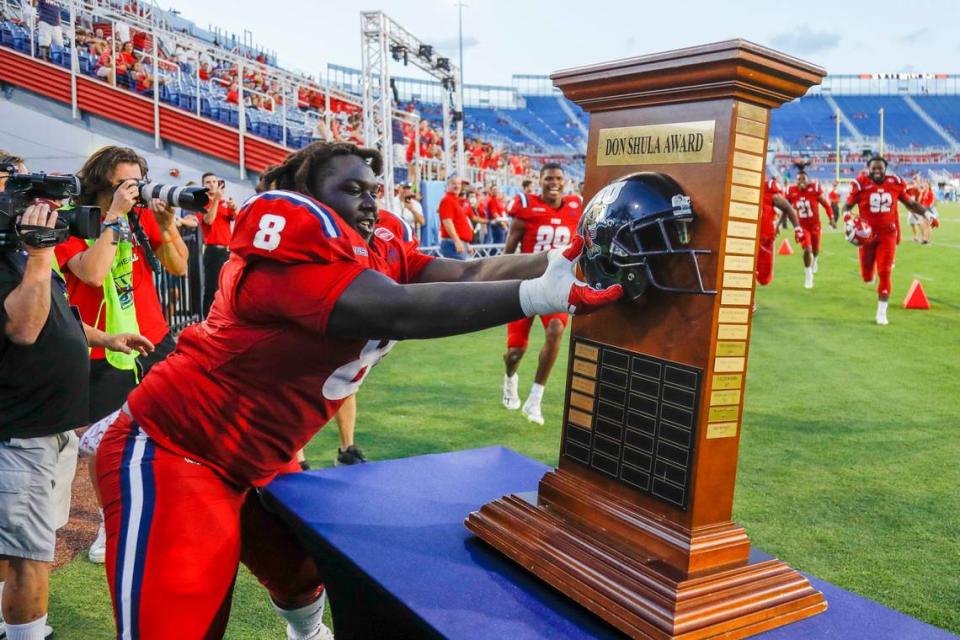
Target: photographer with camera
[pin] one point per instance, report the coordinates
(111, 279)
(44, 376)
(215, 221)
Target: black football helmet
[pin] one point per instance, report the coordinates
(636, 233)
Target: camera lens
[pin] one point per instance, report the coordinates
(189, 198)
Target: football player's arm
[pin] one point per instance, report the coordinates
(912, 204)
(784, 205)
(514, 236)
(828, 210)
(506, 267)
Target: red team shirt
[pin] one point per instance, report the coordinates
(806, 202)
(768, 215)
(250, 386)
(89, 300)
(545, 227)
(217, 233)
(877, 203)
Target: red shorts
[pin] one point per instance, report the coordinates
(518, 331)
(765, 260)
(811, 238)
(176, 532)
(877, 255)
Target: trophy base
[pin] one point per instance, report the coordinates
(640, 595)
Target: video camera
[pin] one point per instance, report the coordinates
(23, 190)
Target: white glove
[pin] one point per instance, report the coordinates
(559, 291)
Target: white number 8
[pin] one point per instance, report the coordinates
(268, 237)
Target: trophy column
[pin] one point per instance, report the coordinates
(635, 522)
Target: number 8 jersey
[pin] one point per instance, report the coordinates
(877, 203)
(250, 386)
(545, 227)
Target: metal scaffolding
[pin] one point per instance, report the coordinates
(384, 39)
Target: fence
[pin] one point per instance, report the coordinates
(181, 297)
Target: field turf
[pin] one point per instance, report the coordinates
(849, 454)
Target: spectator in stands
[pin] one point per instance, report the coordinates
(111, 282)
(233, 94)
(321, 131)
(470, 201)
(527, 186)
(497, 215)
(49, 31)
(215, 224)
(141, 80)
(455, 230)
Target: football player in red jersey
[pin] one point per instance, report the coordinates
(806, 198)
(312, 297)
(773, 199)
(876, 195)
(540, 223)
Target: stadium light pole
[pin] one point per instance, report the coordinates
(460, 6)
(881, 131)
(837, 149)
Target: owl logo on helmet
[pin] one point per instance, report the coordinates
(636, 232)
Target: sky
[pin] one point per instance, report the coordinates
(504, 37)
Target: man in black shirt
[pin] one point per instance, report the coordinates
(44, 382)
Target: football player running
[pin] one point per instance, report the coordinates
(540, 223)
(773, 200)
(876, 231)
(806, 197)
(312, 297)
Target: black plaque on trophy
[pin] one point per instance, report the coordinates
(632, 417)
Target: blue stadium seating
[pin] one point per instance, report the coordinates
(902, 127)
(807, 123)
(944, 109)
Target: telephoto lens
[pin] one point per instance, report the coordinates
(189, 198)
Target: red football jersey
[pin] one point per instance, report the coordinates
(877, 203)
(768, 216)
(250, 386)
(806, 202)
(546, 228)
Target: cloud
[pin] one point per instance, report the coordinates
(915, 35)
(805, 41)
(453, 44)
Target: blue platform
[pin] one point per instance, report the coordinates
(399, 563)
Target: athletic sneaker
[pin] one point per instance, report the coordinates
(511, 397)
(808, 279)
(322, 632)
(814, 265)
(352, 455)
(98, 550)
(882, 317)
(531, 411)
(47, 631)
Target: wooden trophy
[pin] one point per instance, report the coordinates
(635, 524)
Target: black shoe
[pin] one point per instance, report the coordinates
(304, 465)
(352, 455)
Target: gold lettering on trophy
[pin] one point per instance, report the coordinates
(581, 401)
(584, 368)
(672, 143)
(735, 296)
(731, 348)
(738, 263)
(722, 398)
(586, 352)
(748, 143)
(732, 332)
(736, 280)
(745, 194)
(583, 385)
(722, 414)
(753, 112)
(741, 229)
(581, 419)
(738, 245)
(744, 210)
(732, 314)
(727, 381)
(751, 128)
(721, 430)
(728, 365)
(747, 161)
(749, 178)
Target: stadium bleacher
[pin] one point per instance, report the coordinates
(902, 127)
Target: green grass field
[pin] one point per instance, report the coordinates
(849, 456)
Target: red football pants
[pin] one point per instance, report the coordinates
(811, 238)
(878, 255)
(765, 261)
(518, 331)
(176, 532)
